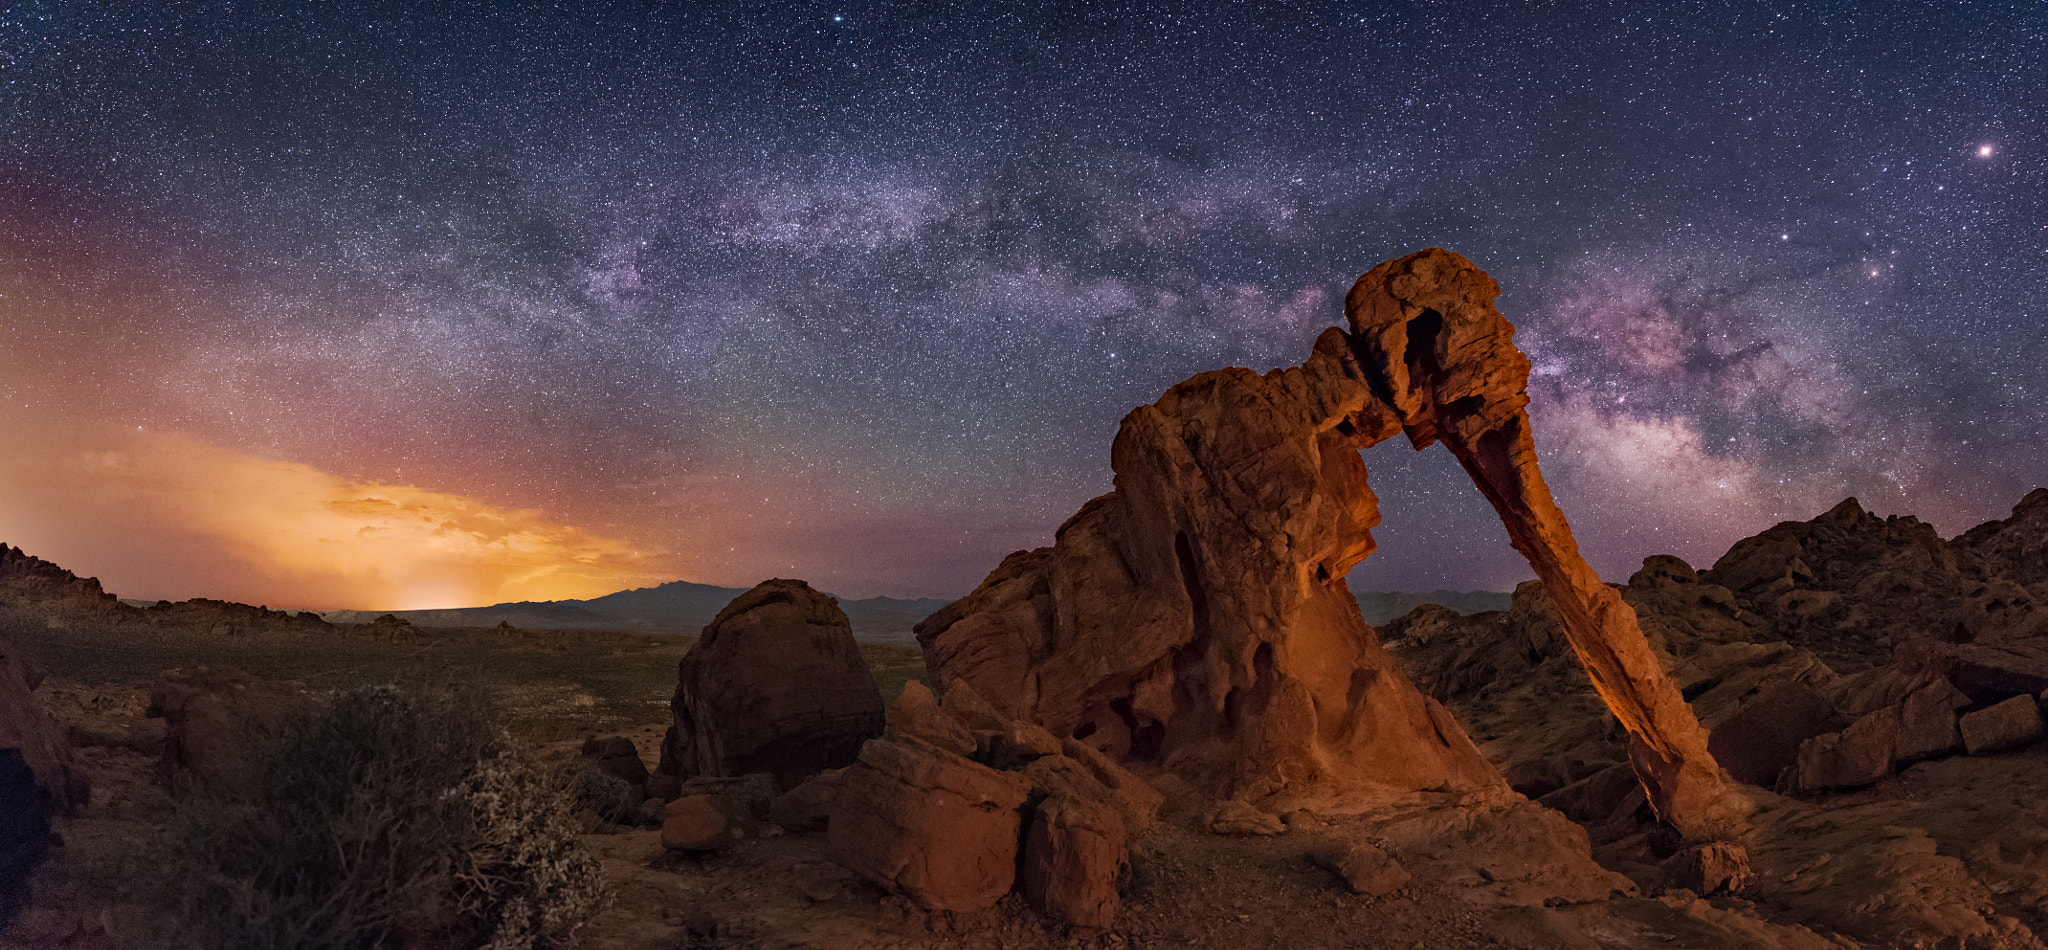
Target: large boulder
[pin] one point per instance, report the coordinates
(776, 684)
(2008, 725)
(933, 811)
(1072, 853)
(928, 824)
(213, 720)
(44, 749)
(39, 780)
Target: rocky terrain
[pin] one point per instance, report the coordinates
(1174, 727)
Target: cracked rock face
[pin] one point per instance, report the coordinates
(1196, 619)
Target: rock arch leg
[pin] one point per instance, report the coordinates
(1426, 326)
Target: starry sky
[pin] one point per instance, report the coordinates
(344, 306)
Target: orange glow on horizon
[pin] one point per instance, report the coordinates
(201, 520)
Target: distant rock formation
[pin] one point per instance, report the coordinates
(36, 591)
(227, 618)
(776, 684)
(53, 596)
(1196, 619)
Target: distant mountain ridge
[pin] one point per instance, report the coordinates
(674, 607)
(685, 607)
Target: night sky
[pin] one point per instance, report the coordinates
(322, 307)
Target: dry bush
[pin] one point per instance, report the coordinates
(388, 817)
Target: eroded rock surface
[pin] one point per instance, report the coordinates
(1196, 618)
(776, 684)
(39, 778)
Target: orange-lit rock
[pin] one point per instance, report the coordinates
(1426, 326)
(1196, 621)
(1197, 618)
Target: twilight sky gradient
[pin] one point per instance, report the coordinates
(470, 303)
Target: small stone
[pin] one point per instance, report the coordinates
(806, 808)
(1365, 869)
(1235, 817)
(1711, 868)
(701, 823)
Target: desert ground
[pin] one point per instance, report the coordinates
(1185, 887)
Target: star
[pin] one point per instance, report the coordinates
(1983, 151)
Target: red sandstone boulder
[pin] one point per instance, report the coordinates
(776, 684)
(928, 824)
(211, 719)
(1238, 818)
(703, 823)
(1712, 868)
(1927, 723)
(2008, 725)
(1858, 755)
(39, 779)
(1072, 853)
(806, 808)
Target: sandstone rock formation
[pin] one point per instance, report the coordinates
(1196, 619)
(1823, 657)
(956, 805)
(41, 744)
(39, 779)
(211, 720)
(775, 684)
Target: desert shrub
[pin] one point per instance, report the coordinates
(388, 817)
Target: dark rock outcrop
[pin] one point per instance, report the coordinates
(212, 719)
(776, 684)
(39, 779)
(44, 593)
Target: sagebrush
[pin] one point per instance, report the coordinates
(388, 817)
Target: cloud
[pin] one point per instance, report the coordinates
(201, 520)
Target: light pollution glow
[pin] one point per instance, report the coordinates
(276, 526)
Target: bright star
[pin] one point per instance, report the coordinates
(1983, 151)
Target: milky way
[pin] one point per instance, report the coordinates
(859, 293)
